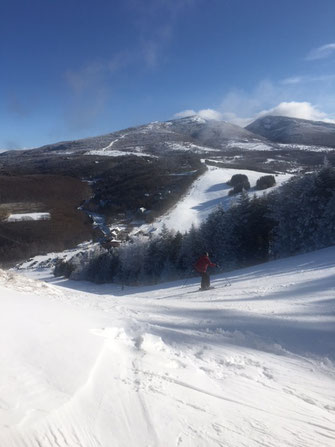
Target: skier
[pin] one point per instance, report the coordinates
(201, 267)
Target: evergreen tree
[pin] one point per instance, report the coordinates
(298, 209)
(266, 181)
(104, 267)
(213, 233)
(191, 248)
(132, 258)
(158, 259)
(325, 235)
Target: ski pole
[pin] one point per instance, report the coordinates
(185, 283)
(227, 282)
(186, 280)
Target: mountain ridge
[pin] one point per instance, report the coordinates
(153, 137)
(198, 130)
(283, 129)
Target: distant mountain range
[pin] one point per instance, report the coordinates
(197, 135)
(271, 143)
(193, 134)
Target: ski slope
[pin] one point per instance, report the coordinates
(206, 193)
(248, 365)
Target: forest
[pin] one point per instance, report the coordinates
(295, 218)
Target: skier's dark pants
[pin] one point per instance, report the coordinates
(205, 281)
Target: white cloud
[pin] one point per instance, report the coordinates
(185, 113)
(209, 114)
(293, 80)
(307, 79)
(155, 22)
(321, 52)
(240, 104)
(150, 52)
(87, 96)
(292, 98)
(119, 61)
(293, 109)
(82, 79)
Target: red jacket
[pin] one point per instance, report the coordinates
(202, 263)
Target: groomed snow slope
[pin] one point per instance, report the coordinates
(242, 366)
(206, 193)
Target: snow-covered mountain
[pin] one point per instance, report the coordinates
(243, 365)
(282, 129)
(193, 134)
(147, 167)
(212, 132)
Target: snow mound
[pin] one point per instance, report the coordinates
(16, 282)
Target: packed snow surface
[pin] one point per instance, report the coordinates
(207, 192)
(247, 365)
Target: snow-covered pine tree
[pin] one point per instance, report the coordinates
(132, 258)
(298, 209)
(191, 248)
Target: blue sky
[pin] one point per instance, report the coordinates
(76, 68)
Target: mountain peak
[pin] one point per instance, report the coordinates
(192, 119)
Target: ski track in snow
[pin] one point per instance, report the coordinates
(247, 365)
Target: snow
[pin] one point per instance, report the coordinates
(28, 216)
(115, 153)
(247, 365)
(194, 119)
(254, 146)
(108, 150)
(48, 261)
(304, 147)
(189, 147)
(206, 193)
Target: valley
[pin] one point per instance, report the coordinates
(133, 177)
